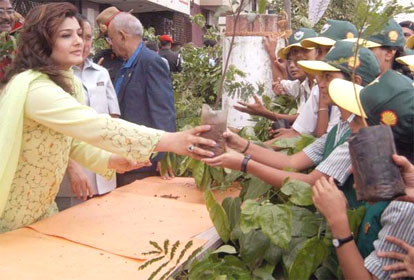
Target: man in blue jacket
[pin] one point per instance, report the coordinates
(143, 84)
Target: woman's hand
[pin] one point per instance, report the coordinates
(79, 181)
(122, 165)
(230, 159)
(278, 88)
(405, 266)
(407, 170)
(234, 141)
(329, 200)
(257, 108)
(184, 142)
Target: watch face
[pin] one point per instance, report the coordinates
(335, 242)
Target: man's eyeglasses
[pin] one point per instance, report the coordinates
(9, 11)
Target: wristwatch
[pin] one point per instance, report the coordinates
(339, 242)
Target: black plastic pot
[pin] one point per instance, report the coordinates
(376, 175)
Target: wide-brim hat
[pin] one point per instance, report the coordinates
(409, 44)
(346, 95)
(407, 60)
(105, 17)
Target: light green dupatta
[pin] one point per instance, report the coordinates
(12, 101)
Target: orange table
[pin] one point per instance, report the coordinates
(104, 238)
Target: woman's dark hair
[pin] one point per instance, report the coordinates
(407, 24)
(402, 68)
(36, 42)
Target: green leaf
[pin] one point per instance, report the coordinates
(218, 216)
(275, 221)
(228, 249)
(206, 181)
(217, 174)
(304, 222)
(253, 247)
(256, 188)
(264, 273)
(355, 217)
(287, 142)
(303, 142)
(294, 246)
(300, 192)
(232, 206)
(308, 258)
(249, 216)
(273, 254)
(198, 172)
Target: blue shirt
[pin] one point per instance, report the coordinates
(125, 67)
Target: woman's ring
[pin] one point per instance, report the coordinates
(190, 148)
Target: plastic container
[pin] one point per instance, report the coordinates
(218, 122)
(376, 175)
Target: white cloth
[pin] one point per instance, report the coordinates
(298, 90)
(306, 121)
(99, 95)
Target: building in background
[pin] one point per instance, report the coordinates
(170, 17)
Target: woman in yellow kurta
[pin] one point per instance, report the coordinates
(43, 122)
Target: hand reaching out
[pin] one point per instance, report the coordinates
(257, 108)
(122, 165)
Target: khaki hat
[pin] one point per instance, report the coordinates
(409, 44)
(105, 17)
(407, 59)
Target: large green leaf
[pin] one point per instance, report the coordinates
(273, 254)
(253, 247)
(206, 181)
(308, 258)
(232, 206)
(217, 174)
(212, 267)
(287, 142)
(262, 6)
(294, 246)
(218, 216)
(355, 217)
(249, 215)
(304, 222)
(256, 188)
(300, 192)
(198, 172)
(276, 223)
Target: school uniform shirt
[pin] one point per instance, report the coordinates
(338, 163)
(397, 220)
(99, 95)
(298, 90)
(305, 123)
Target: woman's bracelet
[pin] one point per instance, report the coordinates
(247, 146)
(244, 163)
(323, 109)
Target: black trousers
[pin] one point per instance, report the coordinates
(128, 178)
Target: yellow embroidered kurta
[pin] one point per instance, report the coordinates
(57, 126)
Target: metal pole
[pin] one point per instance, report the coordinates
(288, 12)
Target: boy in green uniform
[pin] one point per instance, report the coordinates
(388, 100)
(329, 153)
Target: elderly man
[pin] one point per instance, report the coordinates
(6, 16)
(143, 85)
